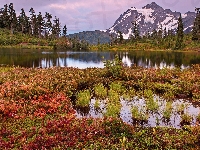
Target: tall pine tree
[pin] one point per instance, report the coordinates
(48, 24)
(196, 27)
(180, 34)
(64, 33)
(56, 28)
(135, 30)
(4, 17)
(33, 21)
(12, 22)
(23, 22)
(40, 24)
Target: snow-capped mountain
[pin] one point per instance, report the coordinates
(150, 17)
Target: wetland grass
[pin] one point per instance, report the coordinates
(151, 104)
(198, 118)
(57, 121)
(139, 116)
(186, 119)
(167, 112)
(180, 108)
(97, 104)
(100, 91)
(83, 99)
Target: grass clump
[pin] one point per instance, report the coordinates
(186, 119)
(97, 104)
(151, 104)
(83, 98)
(168, 111)
(117, 87)
(100, 91)
(180, 108)
(113, 106)
(112, 110)
(139, 115)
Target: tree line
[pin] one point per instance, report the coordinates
(33, 24)
(39, 26)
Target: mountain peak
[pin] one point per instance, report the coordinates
(153, 6)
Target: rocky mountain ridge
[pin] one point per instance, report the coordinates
(149, 17)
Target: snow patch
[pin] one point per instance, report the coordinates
(126, 36)
(147, 13)
(170, 23)
(103, 30)
(187, 27)
(127, 15)
(183, 15)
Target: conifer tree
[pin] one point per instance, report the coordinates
(136, 33)
(180, 34)
(64, 33)
(23, 22)
(154, 34)
(5, 17)
(196, 27)
(120, 36)
(160, 33)
(40, 24)
(56, 28)
(165, 33)
(12, 18)
(170, 38)
(33, 21)
(48, 24)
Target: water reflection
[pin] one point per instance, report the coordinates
(155, 118)
(84, 59)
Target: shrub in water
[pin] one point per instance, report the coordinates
(168, 111)
(139, 115)
(186, 119)
(83, 98)
(100, 91)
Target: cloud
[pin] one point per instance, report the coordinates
(66, 5)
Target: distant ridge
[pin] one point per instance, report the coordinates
(92, 37)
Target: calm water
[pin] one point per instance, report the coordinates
(84, 59)
(155, 118)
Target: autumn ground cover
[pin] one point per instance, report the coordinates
(37, 107)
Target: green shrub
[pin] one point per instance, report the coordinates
(83, 98)
(186, 119)
(114, 68)
(168, 111)
(100, 91)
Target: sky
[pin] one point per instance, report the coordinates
(89, 15)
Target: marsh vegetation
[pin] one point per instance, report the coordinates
(38, 108)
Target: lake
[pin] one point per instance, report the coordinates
(84, 59)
